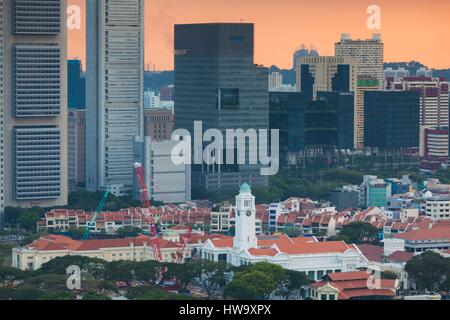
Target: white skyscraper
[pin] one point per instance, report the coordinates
(115, 85)
(33, 100)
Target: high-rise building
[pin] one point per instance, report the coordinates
(77, 147)
(2, 149)
(287, 114)
(218, 83)
(370, 59)
(166, 181)
(151, 100)
(275, 80)
(391, 119)
(166, 93)
(328, 74)
(316, 74)
(365, 84)
(369, 53)
(158, 124)
(434, 98)
(33, 82)
(329, 121)
(115, 91)
(76, 85)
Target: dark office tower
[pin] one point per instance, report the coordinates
(33, 103)
(217, 82)
(391, 119)
(76, 85)
(287, 113)
(329, 121)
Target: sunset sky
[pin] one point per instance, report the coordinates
(411, 29)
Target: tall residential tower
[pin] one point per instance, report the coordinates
(33, 81)
(370, 56)
(115, 85)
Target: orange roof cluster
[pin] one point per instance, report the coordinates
(357, 284)
(439, 233)
(293, 246)
(58, 242)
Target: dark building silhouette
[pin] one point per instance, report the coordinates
(391, 119)
(329, 121)
(287, 114)
(217, 82)
(76, 90)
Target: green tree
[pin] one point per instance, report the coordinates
(359, 232)
(292, 284)
(95, 296)
(28, 221)
(9, 275)
(129, 232)
(212, 277)
(120, 271)
(391, 275)
(429, 270)
(153, 293)
(252, 285)
(147, 271)
(48, 282)
(184, 273)
(90, 267)
(26, 292)
(56, 295)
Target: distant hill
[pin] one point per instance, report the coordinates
(153, 80)
(413, 66)
(289, 76)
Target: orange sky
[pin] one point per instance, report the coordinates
(411, 29)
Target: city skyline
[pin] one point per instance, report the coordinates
(311, 23)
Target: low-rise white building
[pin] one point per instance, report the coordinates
(438, 208)
(142, 248)
(304, 254)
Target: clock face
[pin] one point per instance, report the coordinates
(248, 213)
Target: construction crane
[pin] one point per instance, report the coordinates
(145, 199)
(184, 241)
(92, 224)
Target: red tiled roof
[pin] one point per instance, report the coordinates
(344, 276)
(263, 252)
(372, 252)
(426, 234)
(400, 256)
(57, 242)
(348, 294)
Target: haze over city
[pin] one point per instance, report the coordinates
(411, 29)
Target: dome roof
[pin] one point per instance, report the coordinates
(245, 188)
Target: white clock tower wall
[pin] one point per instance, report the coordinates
(245, 236)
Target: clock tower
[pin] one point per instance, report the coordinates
(245, 215)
